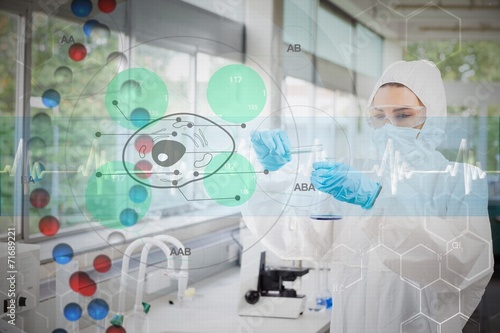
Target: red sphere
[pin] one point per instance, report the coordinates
(102, 263)
(106, 6)
(48, 225)
(77, 52)
(143, 166)
(78, 280)
(144, 144)
(39, 198)
(115, 329)
(88, 288)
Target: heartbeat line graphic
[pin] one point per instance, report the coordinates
(399, 169)
(95, 159)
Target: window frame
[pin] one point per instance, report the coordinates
(19, 9)
(71, 235)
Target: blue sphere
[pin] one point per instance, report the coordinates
(140, 117)
(62, 253)
(98, 309)
(72, 312)
(128, 217)
(59, 330)
(138, 193)
(88, 26)
(81, 8)
(51, 98)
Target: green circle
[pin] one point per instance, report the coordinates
(236, 93)
(234, 183)
(135, 88)
(107, 195)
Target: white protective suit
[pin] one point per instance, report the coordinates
(421, 257)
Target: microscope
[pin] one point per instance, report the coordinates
(262, 293)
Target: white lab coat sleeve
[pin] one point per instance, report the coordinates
(469, 260)
(446, 250)
(278, 214)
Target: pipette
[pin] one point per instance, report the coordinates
(307, 149)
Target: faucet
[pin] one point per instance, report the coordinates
(148, 243)
(182, 274)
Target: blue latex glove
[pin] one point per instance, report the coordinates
(272, 148)
(344, 183)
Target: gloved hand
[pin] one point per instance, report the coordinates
(344, 183)
(272, 148)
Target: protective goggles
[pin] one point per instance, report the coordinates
(398, 115)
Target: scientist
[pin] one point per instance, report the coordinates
(412, 252)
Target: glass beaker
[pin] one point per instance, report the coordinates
(315, 301)
(325, 296)
(323, 204)
(321, 298)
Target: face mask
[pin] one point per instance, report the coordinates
(413, 152)
(404, 139)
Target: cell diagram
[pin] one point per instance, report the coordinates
(177, 149)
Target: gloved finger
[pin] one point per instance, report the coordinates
(267, 138)
(327, 178)
(319, 186)
(325, 164)
(318, 180)
(260, 148)
(256, 137)
(279, 149)
(287, 146)
(321, 173)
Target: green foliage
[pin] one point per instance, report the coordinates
(8, 47)
(472, 61)
(469, 61)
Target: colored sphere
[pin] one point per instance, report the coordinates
(145, 167)
(81, 8)
(98, 309)
(236, 93)
(77, 52)
(51, 98)
(106, 199)
(63, 75)
(128, 217)
(130, 90)
(88, 26)
(89, 288)
(138, 193)
(118, 57)
(236, 179)
(79, 280)
(37, 146)
(41, 122)
(39, 198)
(115, 329)
(135, 88)
(140, 117)
(72, 312)
(62, 253)
(59, 330)
(144, 145)
(48, 225)
(100, 31)
(102, 263)
(116, 238)
(106, 6)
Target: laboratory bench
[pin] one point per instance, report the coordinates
(214, 309)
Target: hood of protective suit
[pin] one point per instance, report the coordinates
(424, 80)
